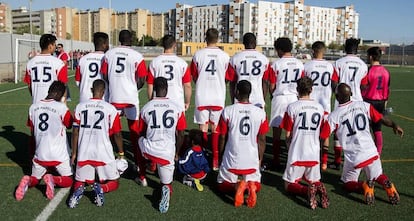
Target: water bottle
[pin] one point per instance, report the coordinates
(388, 111)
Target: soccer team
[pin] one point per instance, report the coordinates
(109, 81)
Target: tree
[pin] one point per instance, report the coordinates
(26, 29)
(147, 40)
(68, 36)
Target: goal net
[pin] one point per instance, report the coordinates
(24, 50)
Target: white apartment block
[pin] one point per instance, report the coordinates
(205, 17)
(43, 21)
(242, 19)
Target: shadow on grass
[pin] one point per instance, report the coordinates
(20, 141)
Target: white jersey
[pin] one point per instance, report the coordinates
(41, 71)
(175, 70)
(252, 66)
(96, 120)
(284, 74)
(49, 120)
(208, 68)
(87, 72)
(321, 72)
(303, 119)
(243, 122)
(161, 117)
(351, 70)
(123, 66)
(351, 122)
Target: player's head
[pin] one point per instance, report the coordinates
(343, 93)
(125, 37)
(351, 45)
(283, 45)
(318, 48)
(196, 137)
(249, 41)
(168, 42)
(160, 87)
(374, 54)
(212, 36)
(101, 41)
(304, 86)
(98, 88)
(59, 47)
(47, 43)
(243, 90)
(56, 90)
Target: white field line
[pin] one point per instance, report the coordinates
(48, 210)
(402, 90)
(20, 88)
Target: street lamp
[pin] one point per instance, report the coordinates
(110, 21)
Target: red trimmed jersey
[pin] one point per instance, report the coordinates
(252, 66)
(304, 119)
(87, 72)
(175, 70)
(123, 66)
(41, 71)
(321, 72)
(208, 69)
(378, 82)
(351, 121)
(351, 70)
(48, 119)
(284, 73)
(97, 121)
(243, 122)
(159, 120)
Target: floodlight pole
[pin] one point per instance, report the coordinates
(30, 23)
(110, 21)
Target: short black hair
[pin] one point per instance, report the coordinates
(98, 84)
(125, 37)
(304, 86)
(56, 90)
(245, 88)
(284, 44)
(212, 35)
(249, 40)
(168, 41)
(318, 46)
(351, 45)
(160, 83)
(196, 136)
(99, 39)
(46, 40)
(60, 45)
(375, 53)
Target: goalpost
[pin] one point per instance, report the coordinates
(16, 54)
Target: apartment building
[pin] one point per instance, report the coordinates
(43, 21)
(5, 18)
(64, 22)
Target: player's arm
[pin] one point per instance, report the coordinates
(187, 95)
(141, 74)
(261, 141)
(232, 88)
(181, 126)
(222, 130)
(75, 137)
(115, 131)
(150, 91)
(390, 123)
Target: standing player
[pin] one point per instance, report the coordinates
(125, 71)
(349, 70)
(350, 120)
(376, 90)
(89, 65)
(95, 121)
(252, 66)
(246, 126)
(43, 69)
(208, 69)
(62, 55)
(283, 76)
(160, 120)
(303, 121)
(48, 120)
(321, 72)
(174, 69)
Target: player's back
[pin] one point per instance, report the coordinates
(378, 79)
(87, 72)
(41, 71)
(285, 72)
(211, 65)
(96, 120)
(49, 120)
(351, 70)
(321, 71)
(251, 65)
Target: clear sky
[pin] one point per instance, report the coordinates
(386, 20)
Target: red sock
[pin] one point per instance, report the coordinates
(276, 151)
(205, 139)
(338, 154)
(110, 186)
(324, 159)
(297, 189)
(33, 181)
(226, 187)
(382, 179)
(63, 181)
(214, 149)
(378, 141)
(353, 186)
(78, 184)
(258, 186)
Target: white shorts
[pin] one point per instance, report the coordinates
(131, 113)
(87, 172)
(207, 116)
(225, 175)
(279, 107)
(64, 169)
(294, 173)
(372, 171)
(166, 173)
